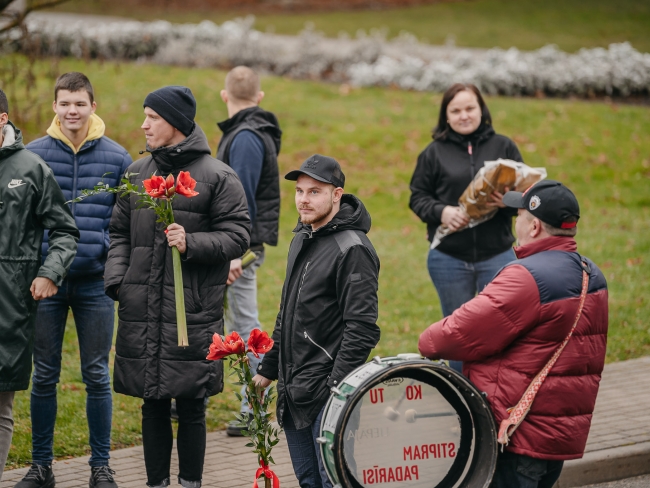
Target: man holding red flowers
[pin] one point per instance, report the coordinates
(210, 230)
(327, 323)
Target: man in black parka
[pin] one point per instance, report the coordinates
(210, 230)
(327, 323)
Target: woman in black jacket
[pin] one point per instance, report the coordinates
(467, 260)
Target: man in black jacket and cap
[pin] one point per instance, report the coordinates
(250, 145)
(327, 324)
(210, 230)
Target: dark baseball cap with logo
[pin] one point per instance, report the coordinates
(550, 201)
(321, 168)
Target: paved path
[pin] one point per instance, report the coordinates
(636, 482)
(618, 446)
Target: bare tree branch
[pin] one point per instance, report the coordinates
(17, 17)
(4, 4)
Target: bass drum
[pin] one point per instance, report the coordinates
(408, 422)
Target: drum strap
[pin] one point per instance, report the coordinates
(518, 413)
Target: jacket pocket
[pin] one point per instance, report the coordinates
(23, 275)
(196, 293)
(307, 390)
(131, 340)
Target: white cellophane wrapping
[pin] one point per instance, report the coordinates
(493, 176)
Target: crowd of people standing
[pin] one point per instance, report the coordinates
(85, 256)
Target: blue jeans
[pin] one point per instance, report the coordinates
(519, 471)
(458, 281)
(93, 314)
(241, 314)
(305, 452)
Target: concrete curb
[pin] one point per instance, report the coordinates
(606, 465)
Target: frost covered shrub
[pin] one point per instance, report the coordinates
(618, 70)
(368, 59)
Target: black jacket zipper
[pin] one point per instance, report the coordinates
(473, 170)
(318, 345)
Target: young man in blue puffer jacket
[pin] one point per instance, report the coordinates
(79, 155)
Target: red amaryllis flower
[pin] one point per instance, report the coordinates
(259, 342)
(231, 344)
(186, 184)
(169, 183)
(155, 186)
(159, 187)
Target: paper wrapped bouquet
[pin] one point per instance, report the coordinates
(494, 176)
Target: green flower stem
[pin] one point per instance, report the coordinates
(181, 320)
(259, 415)
(179, 295)
(248, 258)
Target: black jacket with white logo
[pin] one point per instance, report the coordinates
(327, 323)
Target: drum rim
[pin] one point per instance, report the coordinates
(393, 365)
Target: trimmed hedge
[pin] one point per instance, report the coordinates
(369, 59)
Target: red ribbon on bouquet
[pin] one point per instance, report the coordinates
(268, 474)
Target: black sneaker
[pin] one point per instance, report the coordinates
(101, 477)
(38, 477)
(235, 427)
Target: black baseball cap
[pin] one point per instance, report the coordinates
(321, 168)
(550, 201)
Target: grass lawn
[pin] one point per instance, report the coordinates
(525, 24)
(599, 150)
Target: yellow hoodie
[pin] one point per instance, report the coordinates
(96, 129)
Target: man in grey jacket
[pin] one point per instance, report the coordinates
(30, 202)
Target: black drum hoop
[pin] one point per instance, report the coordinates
(422, 373)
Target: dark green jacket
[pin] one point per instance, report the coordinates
(30, 202)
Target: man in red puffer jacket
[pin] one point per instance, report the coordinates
(508, 333)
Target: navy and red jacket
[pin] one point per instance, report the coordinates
(508, 333)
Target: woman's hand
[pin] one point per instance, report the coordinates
(497, 198)
(454, 218)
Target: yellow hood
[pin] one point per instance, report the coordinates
(96, 129)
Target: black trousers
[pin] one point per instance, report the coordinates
(519, 471)
(157, 439)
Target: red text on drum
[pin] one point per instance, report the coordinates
(388, 475)
(413, 392)
(442, 450)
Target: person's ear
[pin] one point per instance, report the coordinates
(224, 96)
(337, 194)
(93, 107)
(535, 227)
(260, 97)
(54, 106)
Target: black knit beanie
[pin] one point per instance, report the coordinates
(176, 105)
